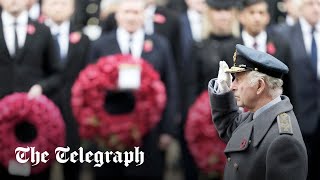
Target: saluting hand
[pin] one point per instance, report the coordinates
(224, 79)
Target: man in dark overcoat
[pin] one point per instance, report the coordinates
(265, 142)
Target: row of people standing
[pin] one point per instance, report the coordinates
(184, 53)
(63, 51)
(42, 58)
(202, 37)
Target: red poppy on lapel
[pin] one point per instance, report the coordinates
(75, 37)
(243, 143)
(159, 18)
(271, 49)
(148, 45)
(31, 29)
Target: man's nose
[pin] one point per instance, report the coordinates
(233, 86)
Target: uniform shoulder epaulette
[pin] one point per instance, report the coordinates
(284, 124)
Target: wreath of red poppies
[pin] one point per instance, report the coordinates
(202, 138)
(120, 131)
(17, 112)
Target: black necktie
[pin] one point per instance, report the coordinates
(255, 45)
(16, 42)
(130, 45)
(57, 46)
(314, 52)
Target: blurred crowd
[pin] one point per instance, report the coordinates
(44, 44)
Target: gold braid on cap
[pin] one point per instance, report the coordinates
(234, 58)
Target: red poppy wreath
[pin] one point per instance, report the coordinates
(202, 138)
(26, 123)
(91, 92)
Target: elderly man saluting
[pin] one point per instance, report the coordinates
(266, 142)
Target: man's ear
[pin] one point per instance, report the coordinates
(261, 86)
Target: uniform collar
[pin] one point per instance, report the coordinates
(256, 129)
(263, 121)
(267, 106)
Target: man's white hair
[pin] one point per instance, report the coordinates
(274, 85)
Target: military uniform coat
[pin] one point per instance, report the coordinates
(259, 148)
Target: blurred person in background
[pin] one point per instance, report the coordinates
(165, 22)
(276, 11)
(27, 63)
(129, 38)
(72, 49)
(191, 26)
(157, 19)
(106, 8)
(108, 22)
(292, 9)
(176, 5)
(219, 33)
(292, 14)
(304, 38)
(254, 18)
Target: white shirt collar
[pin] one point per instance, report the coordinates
(62, 29)
(137, 40)
(8, 19)
(63, 39)
(8, 29)
(305, 26)
(307, 38)
(126, 35)
(261, 40)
